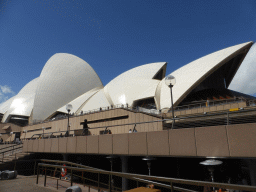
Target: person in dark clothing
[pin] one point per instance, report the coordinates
(85, 128)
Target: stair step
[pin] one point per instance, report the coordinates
(7, 158)
(22, 154)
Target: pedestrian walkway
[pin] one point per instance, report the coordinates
(51, 183)
(28, 184)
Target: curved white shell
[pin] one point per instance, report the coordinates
(63, 78)
(192, 74)
(23, 102)
(79, 102)
(5, 105)
(126, 88)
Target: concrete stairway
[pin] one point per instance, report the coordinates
(15, 156)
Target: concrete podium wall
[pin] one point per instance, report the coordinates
(217, 141)
(132, 117)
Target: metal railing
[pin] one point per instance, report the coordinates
(26, 168)
(10, 151)
(137, 177)
(186, 121)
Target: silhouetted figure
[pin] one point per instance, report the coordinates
(85, 127)
(134, 129)
(66, 134)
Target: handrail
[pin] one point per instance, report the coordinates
(13, 145)
(185, 117)
(156, 178)
(9, 151)
(137, 179)
(209, 102)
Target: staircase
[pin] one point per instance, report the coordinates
(10, 153)
(15, 156)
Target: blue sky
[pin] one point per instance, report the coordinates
(115, 35)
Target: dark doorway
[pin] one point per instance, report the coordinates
(17, 136)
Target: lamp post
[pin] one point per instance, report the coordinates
(170, 82)
(69, 107)
(111, 159)
(210, 163)
(148, 159)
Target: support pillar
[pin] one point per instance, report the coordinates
(252, 170)
(124, 160)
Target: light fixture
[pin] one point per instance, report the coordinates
(69, 107)
(170, 82)
(149, 159)
(211, 164)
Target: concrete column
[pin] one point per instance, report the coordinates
(124, 160)
(65, 157)
(252, 169)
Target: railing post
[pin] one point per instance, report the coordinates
(45, 176)
(35, 168)
(110, 183)
(57, 184)
(137, 184)
(98, 182)
(37, 174)
(83, 177)
(171, 187)
(14, 165)
(71, 177)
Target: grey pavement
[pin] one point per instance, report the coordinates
(28, 184)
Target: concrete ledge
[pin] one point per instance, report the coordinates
(212, 141)
(120, 144)
(182, 142)
(138, 143)
(106, 144)
(157, 142)
(81, 144)
(93, 144)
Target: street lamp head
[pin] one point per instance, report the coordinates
(69, 107)
(170, 80)
(211, 162)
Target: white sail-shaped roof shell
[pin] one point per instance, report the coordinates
(23, 102)
(126, 88)
(6, 105)
(63, 78)
(96, 102)
(79, 102)
(192, 74)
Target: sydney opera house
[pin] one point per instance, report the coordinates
(210, 120)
